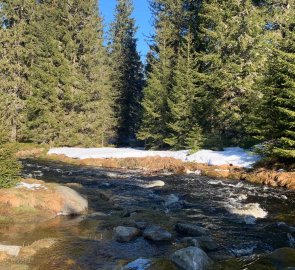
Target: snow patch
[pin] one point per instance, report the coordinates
(30, 186)
(235, 156)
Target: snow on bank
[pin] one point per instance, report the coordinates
(233, 155)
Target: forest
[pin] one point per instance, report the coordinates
(218, 73)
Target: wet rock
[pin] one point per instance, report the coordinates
(140, 225)
(191, 258)
(190, 229)
(125, 234)
(206, 243)
(139, 264)
(156, 233)
(10, 250)
(244, 249)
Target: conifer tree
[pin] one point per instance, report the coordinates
(185, 100)
(154, 128)
(128, 73)
(15, 16)
(277, 111)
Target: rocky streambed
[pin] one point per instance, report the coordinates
(161, 221)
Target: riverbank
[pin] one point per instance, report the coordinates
(259, 174)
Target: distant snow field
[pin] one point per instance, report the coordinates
(232, 155)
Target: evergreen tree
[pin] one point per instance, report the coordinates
(72, 98)
(228, 37)
(164, 53)
(277, 111)
(184, 101)
(9, 167)
(128, 73)
(15, 16)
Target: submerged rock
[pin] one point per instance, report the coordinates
(191, 258)
(139, 264)
(190, 229)
(156, 233)
(125, 234)
(171, 200)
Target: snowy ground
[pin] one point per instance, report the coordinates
(233, 155)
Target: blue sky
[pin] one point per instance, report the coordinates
(142, 16)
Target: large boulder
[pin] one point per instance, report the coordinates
(36, 200)
(190, 229)
(191, 258)
(72, 202)
(156, 233)
(125, 234)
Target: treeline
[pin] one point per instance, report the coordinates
(218, 73)
(221, 73)
(59, 83)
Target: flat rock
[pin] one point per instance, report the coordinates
(125, 234)
(190, 229)
(191, 258)
(10, 250)
(156, 233)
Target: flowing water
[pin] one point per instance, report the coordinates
(245, 220)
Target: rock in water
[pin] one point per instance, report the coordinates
(125, 234)
(139, 264)
(73, 202)
(191, 258)
(190, 229)
(10, 250)
(156, 233)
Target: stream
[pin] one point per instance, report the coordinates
(245, 220)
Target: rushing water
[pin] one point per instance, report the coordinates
(246, 220)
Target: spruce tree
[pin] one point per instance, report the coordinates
(164, 51)
(15, 16)
(128, 73)
(185, 100)
(276, 124)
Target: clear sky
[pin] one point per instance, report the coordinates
(142, 16)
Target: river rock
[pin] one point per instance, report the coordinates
(10, 250)
(73, 202)
(139, 264)
(156, 233)
(125, 234)
(191, 258)
(204, 242)
(141, 225)
(207, 243)
(190, 229)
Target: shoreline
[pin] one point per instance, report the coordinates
(161, 164)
